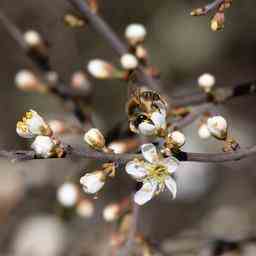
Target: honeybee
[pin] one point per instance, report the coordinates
(144, 101)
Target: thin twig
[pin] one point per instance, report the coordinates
(221, 95)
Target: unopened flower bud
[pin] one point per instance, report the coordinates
(178, 138)
(31, 125)
(129, 61)
(25, 80)
(111, 212)
(52, 77)
(101, 69)
(197, 12)
(93, 182)
(57, 126)
(67, 194)
(73, 21)
(80, 81)
(217, 126)
(141, 53)
(118, 147)
(85, 208)
(206, 82)
(44, 146)
(204, 132)
(95, 139)
(135, 33)
(33, 38)
(217, 22)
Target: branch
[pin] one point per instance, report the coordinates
(209, 7)
(191, 117)
(220, 95)
(121, 159)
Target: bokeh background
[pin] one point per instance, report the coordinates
(215, 201)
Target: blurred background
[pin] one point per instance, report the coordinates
(215, 201)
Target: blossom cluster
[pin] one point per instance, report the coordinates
(33, 126)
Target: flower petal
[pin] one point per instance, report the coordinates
(136, 170)
(159, 119)
(171, 163)
(146, 128)
(146, 193)
(149, 152)
(171, 185)
(92, 182)
(161, 106)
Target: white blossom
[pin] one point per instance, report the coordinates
(100, 69)
(156, 123)
(44, 146)
(135, 33)
(178, 138)
(67, 194)
(129, 61)
(93, 182)
(206, 82)
(94, 138)
(217, 126)
(204, 132)
(154, 172)
(32, 124)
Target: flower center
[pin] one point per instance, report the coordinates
(157, 172)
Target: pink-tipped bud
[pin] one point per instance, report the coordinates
(80, 81)
(101, 69)
(85, 208)
(111, 212)
(25, 80)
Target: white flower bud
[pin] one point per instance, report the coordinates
(32, 38)
(206, 82)
(135, 33)
(25, 80)
(118, 147)
(100, 69)
(85, 208)
(94, 139)
(111, 212)
(57, 126)
(217, 126)
(129, 61)
(178, 138)
(32, 124)
(80, 81)
(44, 146)
(141, 52)
(204, 132)
(67, 194)
(93, 182)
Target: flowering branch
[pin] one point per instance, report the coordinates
(106, 32)
(121, 159)
(56, 87)
(217, 22)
